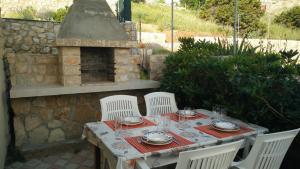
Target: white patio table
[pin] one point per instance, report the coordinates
(112, 152)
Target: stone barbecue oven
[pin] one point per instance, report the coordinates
(94, 45)
(59, 71)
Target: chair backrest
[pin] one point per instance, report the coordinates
(269, 150)
(160, 102)
(119, 106)
(215, 157)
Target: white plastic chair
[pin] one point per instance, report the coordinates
(119, 106)
(215, 157)
(268, 151)
(160, 102)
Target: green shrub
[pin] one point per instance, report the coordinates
(27, 13)
(222, 11)
(192, 4)
(60, 14)
(138, 1)
(258, 87)
(289, 18)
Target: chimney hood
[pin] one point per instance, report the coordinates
(92, 23)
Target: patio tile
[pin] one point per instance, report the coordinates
(67, 156)
(88, 163)
(17, 165)
(43, 166)
(32, 163)
(51, 159)
(61, 162)
(71, 166)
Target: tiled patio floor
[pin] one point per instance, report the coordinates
(83, 159)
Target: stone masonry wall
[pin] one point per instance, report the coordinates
(155, 65)
(52, 119)
(30, 50)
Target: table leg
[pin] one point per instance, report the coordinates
(97, 157)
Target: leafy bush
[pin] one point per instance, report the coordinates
(138, 1)
(192, 4)
(222, 11)
(60, 14)
(289, 18)
(259, 87)
(27, 13)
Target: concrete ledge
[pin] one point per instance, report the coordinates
(95, 43)
(52, 90)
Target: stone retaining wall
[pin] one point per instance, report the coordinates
(52, 119)
(31, 51)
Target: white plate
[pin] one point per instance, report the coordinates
(225, 125)
(132, 120)
(157, 138)
(186, 113)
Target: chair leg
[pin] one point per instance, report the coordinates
(97, 156)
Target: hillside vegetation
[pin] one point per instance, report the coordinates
(159, 16)
(184, 20)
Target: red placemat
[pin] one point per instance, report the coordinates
(175, 117)
(145, 148)
(219, 134)
(146, 123)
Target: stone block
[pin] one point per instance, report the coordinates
(21, 68)
(20, 133)
(11, 58)
(62, 113)
(21, 106)
(31, 122)
(39, 69)
(70, 51)
(54, 124)
(51, 79)
(38, 79)
(45, 49)
(73, 129)
(15, 26)
(70, 80)
(71, 60)
(51, 70)
(84, 113)
(122, 52)
(71, 70)
(39, 102)
(38, 135)
(56, 135)
(48, 59)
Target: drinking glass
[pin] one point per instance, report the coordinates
(166, 122)
(223, 113)
(216, 112)
(118, 127)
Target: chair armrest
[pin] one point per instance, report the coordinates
(141, 164)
